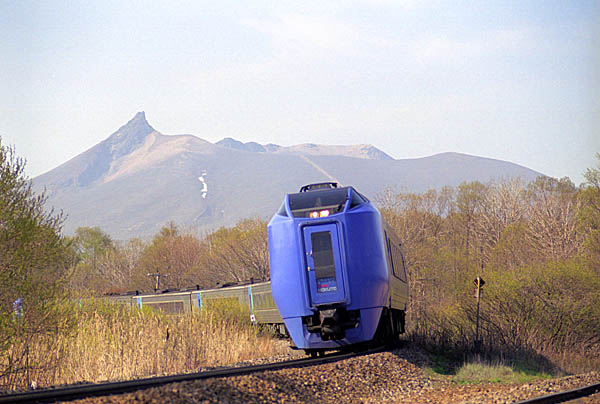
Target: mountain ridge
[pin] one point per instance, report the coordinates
(365, 151)
(137, 179)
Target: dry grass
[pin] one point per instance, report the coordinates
(113, 342)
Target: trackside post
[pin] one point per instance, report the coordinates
(478, 282)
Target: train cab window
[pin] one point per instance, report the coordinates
(282, 211)
(330, 200)
(356, 199)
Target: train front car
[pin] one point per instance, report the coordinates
(330, 273)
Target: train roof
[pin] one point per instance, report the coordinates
(171, 292)
(319, 186)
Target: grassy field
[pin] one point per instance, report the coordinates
(112, 342)
(476, 370)
(480, 372)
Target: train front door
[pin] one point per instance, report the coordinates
(324, 264)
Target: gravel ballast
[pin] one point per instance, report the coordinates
(387, 377)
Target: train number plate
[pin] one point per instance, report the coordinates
(326, 285)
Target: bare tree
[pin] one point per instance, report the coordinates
(178, 256)
(552, 217)
(504, 204)
(238, 253)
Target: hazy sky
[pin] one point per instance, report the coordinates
(516, 81)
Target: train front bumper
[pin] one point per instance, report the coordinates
(327, 336)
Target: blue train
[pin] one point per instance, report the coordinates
(338, 275)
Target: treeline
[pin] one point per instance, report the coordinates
(537, 247)
(176, 258)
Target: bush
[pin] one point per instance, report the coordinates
(33, 258)
(550, 308)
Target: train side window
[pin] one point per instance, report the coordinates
(403, 267)
(389, 251)
(399, 270)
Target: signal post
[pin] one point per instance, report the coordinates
(478, 282)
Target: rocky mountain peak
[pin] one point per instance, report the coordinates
(129, 136)
(137, 126)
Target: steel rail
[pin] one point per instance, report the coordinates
(565, 395)
(108, 388)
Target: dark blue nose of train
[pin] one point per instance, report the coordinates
(321, 283)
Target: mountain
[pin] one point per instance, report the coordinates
(236, 144)
(362, 151)
(138, 179)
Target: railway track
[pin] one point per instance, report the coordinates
(69, 393)
(290, 383)
(565, 395)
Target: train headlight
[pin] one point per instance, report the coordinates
(320, 213)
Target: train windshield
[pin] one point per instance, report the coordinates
(330, 200)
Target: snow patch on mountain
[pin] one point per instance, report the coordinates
(204, 185)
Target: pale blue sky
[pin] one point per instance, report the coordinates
(517, 81)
